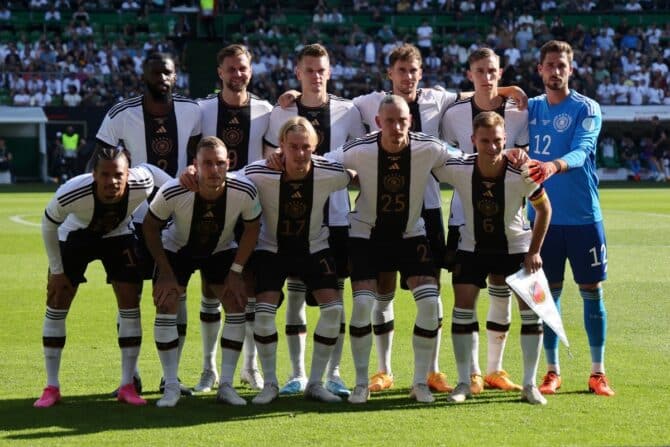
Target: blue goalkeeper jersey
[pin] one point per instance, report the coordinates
(568, 131)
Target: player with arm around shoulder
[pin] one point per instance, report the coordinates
(294, 241)
(564, 126)
(89, 219)
(494, 240)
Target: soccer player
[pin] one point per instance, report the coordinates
(387, 234)
(159, 128)
(294, 241)
(494, 240)
(336, 120)
(201, 237)
(427, 107)
(88, 219)
(240, 119)
(564, 127)
(484, 72)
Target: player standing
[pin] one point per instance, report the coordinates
(335, 120)
(494, 239)
(240, 119)
(387, 234)
(160, 128)
(484, 72)
(294, 241)
(564, 127)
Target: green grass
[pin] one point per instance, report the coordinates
(638, 229)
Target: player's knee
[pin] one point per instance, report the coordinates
(417, 281)
(386, 283)
(60, 299)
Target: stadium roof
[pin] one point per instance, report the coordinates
(23, 115)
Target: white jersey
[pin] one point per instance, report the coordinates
(427, 112)
(495, 219)
(293, 211)
(164, 145)
(76, 208)
(125, 124)
(457, 131)
(392, 184)
(241, 128)
(200, 226)
(337, 122)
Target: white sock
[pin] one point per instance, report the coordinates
(497, 325)
(167, 343)
(383, 327)
(296, 326)
(210, 324)
(182, 322)
(425, 329)
(53, 341)
(325, 338)
(531, 344)
(249, 346)
(462, 325)
(232, 339)
(474, 351)
(435, 365)
(360, 333)
(130, 340)
(265, 334)
(333, 366)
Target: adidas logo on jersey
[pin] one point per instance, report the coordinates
(533, 122)
(296, 195)
(394, 167)
(208, 215)
(234, 121)
(315, 123)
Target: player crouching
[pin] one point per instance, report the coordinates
(88, 219)
(201, 236)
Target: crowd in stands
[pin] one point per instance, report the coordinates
(66, 64)
(61, 61)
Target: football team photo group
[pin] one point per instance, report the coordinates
(321, 199)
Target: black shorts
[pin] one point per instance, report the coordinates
(145, 260)
(316, 270)
(435, 235)
(338, 241)
(369, 257)
(213, 268)
(473, 268)
(117, 255)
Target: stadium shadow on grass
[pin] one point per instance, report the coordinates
(81, 415)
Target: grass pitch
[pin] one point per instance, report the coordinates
(637, 222)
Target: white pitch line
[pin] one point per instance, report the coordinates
(19, 219)
(637, 213)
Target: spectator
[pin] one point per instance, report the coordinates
(620, 93)
(6, 174)
(424, 35)
(41, 98)
(54, 85)
(72, 97)
(609, 153)
(130, 5)
(630, 157)
(52, 14)
(80, 14)
(605, 92)
(22, 98)
(636, 94)
(633, 5)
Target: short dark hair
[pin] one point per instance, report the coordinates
(312, 50)
(235, 49)
(555, 46)
(487, 120)
(155, 56)
(210, 142)
(108, 153)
